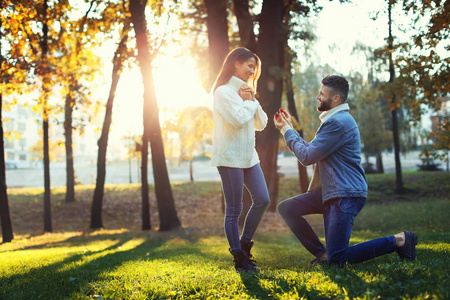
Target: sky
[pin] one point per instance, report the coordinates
(341, 26)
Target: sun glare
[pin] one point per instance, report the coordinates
(177, 86)
(127, 109)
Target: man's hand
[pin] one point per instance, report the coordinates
(246, 93)
(282, 119)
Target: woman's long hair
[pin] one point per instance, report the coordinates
(238, 54)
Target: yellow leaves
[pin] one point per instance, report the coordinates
(193, 127)
(15, 135)
(56, 149)
(12, 135)
(65, 90)
(296, 124)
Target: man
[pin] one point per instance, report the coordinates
(338, 189)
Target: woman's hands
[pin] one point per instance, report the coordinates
(281, 119)
(247, 93)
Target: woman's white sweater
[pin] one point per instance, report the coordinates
(235, 122)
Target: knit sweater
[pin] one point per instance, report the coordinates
(235, 122)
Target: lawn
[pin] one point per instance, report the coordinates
(122, 262)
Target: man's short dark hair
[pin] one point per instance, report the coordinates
(337, 84)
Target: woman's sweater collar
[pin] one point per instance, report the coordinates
(327, 114)
(235, 83)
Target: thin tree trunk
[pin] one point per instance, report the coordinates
(302, 173)
(380, 167)
(145, 208)
(96, 208)
(47, 192)
(70, 175)
(68, 130)
(217, 24)
(270, 87)
(398, 166)
(130, 181)
(152, 130)
(7, 231)
(245, 24)
(5, 217)
(191, 170)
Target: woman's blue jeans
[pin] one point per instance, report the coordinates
(233, 181)
(338, 215)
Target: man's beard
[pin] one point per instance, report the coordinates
(324, 105)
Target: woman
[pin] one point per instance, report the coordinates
(237, 114)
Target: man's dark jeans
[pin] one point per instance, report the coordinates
(338, 215)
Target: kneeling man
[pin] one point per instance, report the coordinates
(338, 189)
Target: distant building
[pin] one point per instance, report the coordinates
(439, 116)
(26, 129)
(23, 121)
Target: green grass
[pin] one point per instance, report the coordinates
(194, 263)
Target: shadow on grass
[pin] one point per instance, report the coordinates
(72, 275)
(392, 277)
(84, 273)
(255, 288)
(385, 277)
(252, 283)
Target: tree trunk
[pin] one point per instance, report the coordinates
(96, 208)
(145, 208)
(47, 191)
(70, 175)
(45, 115)
(270, 89)
(245, 24)
(398, 167)
(7, 231)
(130, 181)
(152, 130)
(217, 24)
(191, 170)
(380, 167)
(302, 173)
(68, 111)
(168, 217)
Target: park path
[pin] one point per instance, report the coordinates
(120, 173)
